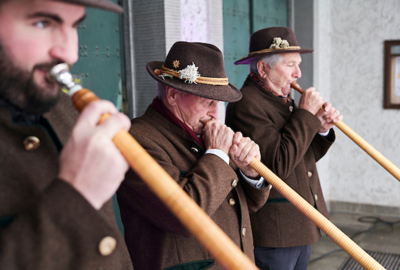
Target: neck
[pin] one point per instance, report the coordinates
(273, 88)
(268, 84)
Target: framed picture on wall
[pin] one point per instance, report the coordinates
(392, 75)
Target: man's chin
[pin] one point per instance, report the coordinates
(41, 95)
(42, 106)
(40, 98)
(286, 90)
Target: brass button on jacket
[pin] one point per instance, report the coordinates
(309, 174)
(234, 183)
(244, 231)
(291, 108)
(194, 150)
(232, 201)
(107, 245)
(31, 143)
(316, 197)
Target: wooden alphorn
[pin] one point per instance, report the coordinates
(316, 217)
(203, 228)
(172, 195)
(383, 161)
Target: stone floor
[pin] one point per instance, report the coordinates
(376, 236)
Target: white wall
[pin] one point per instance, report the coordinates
(195, 21)
(349, 71)
(322, 57)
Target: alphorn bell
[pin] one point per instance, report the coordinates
(383, 161)
(203, 228)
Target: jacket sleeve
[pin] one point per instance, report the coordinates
(281, 147)
(321, 144)
(54, 234)
(256, 198)
(208, 183)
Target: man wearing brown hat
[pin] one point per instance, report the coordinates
(179, 129)
(291, 139)
(55, 208)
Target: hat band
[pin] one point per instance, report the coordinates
(201, 80)
(277, 49)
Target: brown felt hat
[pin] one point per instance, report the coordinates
(102, 4)
(272, 40)
(195, 68)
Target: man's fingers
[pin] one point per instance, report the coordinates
(244, 155)
(233, 149)
(208, 123)
(237, 137)
(212, 125)
(93, 111)
(310, 89)
(327, 106)
(337, 117)
(244, 150)
(112, 125)
(254, 152)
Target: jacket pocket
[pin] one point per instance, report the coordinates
(199, 265)
(278, 200)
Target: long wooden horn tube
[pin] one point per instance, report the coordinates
(383, 161)
(203, 228)
(316, 217)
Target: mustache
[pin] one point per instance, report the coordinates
(47, 67)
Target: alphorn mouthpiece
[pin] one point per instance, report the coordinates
(297, 87)
(60, 74)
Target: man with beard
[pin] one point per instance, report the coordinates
(56, 179)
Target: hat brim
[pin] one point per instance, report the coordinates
(102, 4)
(248, 59)
(227, 93)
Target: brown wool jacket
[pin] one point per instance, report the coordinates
(45, 223)
(290, 147)
(155, 238)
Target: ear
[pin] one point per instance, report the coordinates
(171, 95)
(262, 68)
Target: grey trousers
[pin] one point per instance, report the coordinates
(290, 258)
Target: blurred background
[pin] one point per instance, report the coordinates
(347, 67)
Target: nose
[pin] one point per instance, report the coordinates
(65, 46)
(297, 72)
(213, 112)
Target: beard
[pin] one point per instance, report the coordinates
(18, 87)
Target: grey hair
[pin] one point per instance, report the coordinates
(270, 60)
(161, 88)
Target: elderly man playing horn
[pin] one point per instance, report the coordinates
(181, 132)
(55, 208)
(291, 139)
